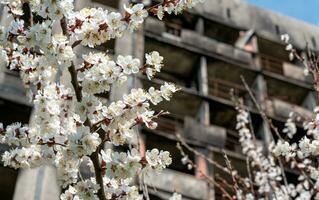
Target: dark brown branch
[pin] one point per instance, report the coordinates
(27, 15)
(64, 26)
(98, 175)
(76, 43)
(75, 83)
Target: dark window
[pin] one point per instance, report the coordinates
(228, 12)
(277, 29)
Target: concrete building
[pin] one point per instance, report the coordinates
(205, 51)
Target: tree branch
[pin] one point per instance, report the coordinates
(98, 174)
(78, 92)
(75, 83)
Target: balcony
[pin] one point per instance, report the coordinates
(206, 135)
(223, 89)
(274, 61)
(221, 32)
(199, 134)
(283, 68)
(281, 109)
(197, 43)
(170, 181)
(281, 92)
(272, 65)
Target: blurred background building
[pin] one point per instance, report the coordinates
(205, 51)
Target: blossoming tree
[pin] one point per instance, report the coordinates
(73, 124)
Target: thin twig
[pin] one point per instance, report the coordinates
(250, 176)
(230, 168)
(209, 160)
(209, 180)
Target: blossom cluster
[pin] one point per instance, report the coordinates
(23, 157)
(82, 190)
(36, 52)
(269, 174)
(94, 26)
(173, 6)
(127, 165)
(54, 10)
(134, 109)
(121, 189)
(98, 72)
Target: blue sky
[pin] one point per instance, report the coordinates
(306, 10)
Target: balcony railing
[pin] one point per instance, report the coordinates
(232, 141)
(168, 125)
(221, 88)
(272, 64)
(207, 135)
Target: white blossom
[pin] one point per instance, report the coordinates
(290, 127)
(137, 15)
(128, 64)
(176, 196)
(167, 90)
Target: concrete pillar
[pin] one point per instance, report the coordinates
(310, 101)
(37, 184)
(261, 96)
(260, 87)
(1, 11)
(204, 118)
(200, 26)
(203, 114)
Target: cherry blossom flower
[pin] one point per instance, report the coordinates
(167, 90)
(137, 14)
(128, 64)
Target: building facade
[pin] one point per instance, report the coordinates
(206, 51)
